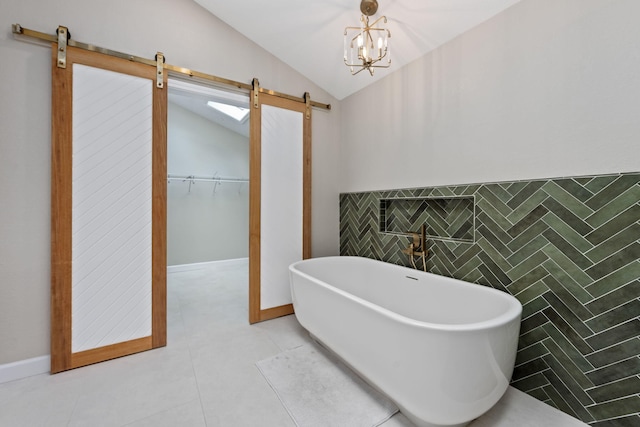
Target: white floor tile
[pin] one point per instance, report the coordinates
(256, 405)
(189, 414)
(228, 364)
(285, 332)
(136, 387)
(519, 409)
(40, 400)
(206, 376)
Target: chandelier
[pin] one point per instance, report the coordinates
(366, 46)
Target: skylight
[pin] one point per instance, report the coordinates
(236, 113)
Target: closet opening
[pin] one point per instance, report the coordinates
(207, 204)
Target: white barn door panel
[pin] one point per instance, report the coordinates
(108, 278)
(280, 202)
(111, 211)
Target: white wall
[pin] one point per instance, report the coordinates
(190, 37)
(205, 221)
(548, 88)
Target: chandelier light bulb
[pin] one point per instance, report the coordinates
(362, 41)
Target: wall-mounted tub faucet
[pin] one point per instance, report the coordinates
(417, 248)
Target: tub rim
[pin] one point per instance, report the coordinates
(512, 313)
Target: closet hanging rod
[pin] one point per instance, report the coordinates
(172, 176)
(18, 30)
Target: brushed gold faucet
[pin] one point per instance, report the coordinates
(417, 248)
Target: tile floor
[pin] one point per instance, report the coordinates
(206, 376)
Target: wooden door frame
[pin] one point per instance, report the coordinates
(62, 357)
(256, 314)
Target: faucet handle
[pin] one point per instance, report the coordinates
(418, 237)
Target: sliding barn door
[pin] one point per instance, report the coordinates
(280, 202)
(108, 270)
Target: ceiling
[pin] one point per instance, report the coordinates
(308, 35)
(195, 98)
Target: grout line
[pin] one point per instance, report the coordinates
(571, 360)
(611, 382)
(568, 388)
(610, 274)
(525, 260)
(195, 376)
(609, 293)
(536, 312)
(137, 420)
(569, 309)
(619, 418)
(535, 373)
(576, 231)
(609, 238)
(611, 364)
(561, 397)
(611, 328)
(611, 255)
(568, 275)
(609, 401)
(620, 196)
(575, 200)
(540, 280)
(568, 340)
(539, 388)
(75, 405)
(537, 357)
(609, 311)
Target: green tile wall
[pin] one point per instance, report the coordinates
(569, 250)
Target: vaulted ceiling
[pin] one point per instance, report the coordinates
(308, 34)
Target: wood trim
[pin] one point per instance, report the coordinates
(62, 357)
(159, 218)
(274, 312)
(101, 354)
(94, 59)
(61, 152)
(255, 155)
(306, 187)
(256, 314)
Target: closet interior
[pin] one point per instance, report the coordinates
(208, 175)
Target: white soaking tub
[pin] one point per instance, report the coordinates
(442, 349)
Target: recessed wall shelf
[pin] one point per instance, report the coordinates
(446, 218)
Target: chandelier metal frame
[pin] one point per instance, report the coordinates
(359, 44)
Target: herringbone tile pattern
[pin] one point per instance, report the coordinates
(451, 218)
(569, 250)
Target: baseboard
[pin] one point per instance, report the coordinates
(201, 265)
(24, 368)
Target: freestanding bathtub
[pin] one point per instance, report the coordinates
(442, 349)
